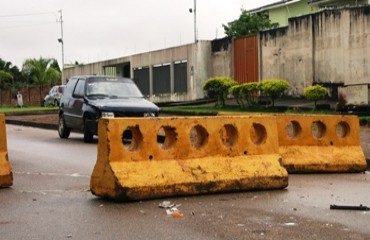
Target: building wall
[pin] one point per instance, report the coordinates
(330, 47)
(31, 95)
(222, 57)
(342, 46)
(199, 64)
(222, 63)
(282, 13)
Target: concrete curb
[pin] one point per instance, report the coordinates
(32, 124)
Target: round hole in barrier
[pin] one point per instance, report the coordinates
(198, 136)
(166, 137)
(229, 135)
(343, 129)
(293, 129)
(258, 134)
(318, 129)
(132, 138)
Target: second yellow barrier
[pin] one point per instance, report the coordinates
(143, 158)
(6, 175)
(320, 143)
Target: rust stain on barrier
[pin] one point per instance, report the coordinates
(320, 143)
(6, 175)
(146, 158)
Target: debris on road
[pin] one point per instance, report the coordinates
(171, 209)
(341, 207)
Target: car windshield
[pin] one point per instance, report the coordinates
(113, 89)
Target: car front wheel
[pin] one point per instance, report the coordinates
(63, 130)
(88, 136)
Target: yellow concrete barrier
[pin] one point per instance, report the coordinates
(6, 176)
(144, 158)
(320, 143)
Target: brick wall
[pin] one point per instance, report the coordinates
(32, 96)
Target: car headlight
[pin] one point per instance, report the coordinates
(107, 115)
(149, 114)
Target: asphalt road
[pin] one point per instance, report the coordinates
(50, 199)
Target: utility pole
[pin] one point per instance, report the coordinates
(62, 42)
(194, 11)
(194, 67)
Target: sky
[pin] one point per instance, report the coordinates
(97, 30)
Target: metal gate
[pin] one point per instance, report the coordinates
(246, 59)
(141, 78)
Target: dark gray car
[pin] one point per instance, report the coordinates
(88, 98)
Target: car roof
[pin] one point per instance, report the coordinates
(88, 76)
(99, 76)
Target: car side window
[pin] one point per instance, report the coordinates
(80, 88)
(70, 86)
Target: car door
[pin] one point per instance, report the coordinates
(64, 102)
(75, 105)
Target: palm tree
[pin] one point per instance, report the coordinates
(10, 76)
(41, 71)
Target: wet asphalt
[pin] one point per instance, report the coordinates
(50, 199)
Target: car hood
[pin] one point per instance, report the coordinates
(124, 105)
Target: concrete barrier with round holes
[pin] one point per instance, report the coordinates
(6, 175)
(320, 143)
(144, 158)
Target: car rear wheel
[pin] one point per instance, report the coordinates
(88, 136)
(63, 130)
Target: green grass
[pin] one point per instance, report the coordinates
(9, 110)
(214, 110)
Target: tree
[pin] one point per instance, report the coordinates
(41, 71)
(5, 79)
(274, 88)
(55, 65)
(218, 88)
(248, 23)
(11, 77)
(315, 93)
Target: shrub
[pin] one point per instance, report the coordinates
(250, 92)
(246, 93)
(274, 88)
(218, 88)
(315, 93)
(236, 91)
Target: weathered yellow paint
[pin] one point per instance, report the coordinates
(6, 175)
(320, 143)
(199, 155)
